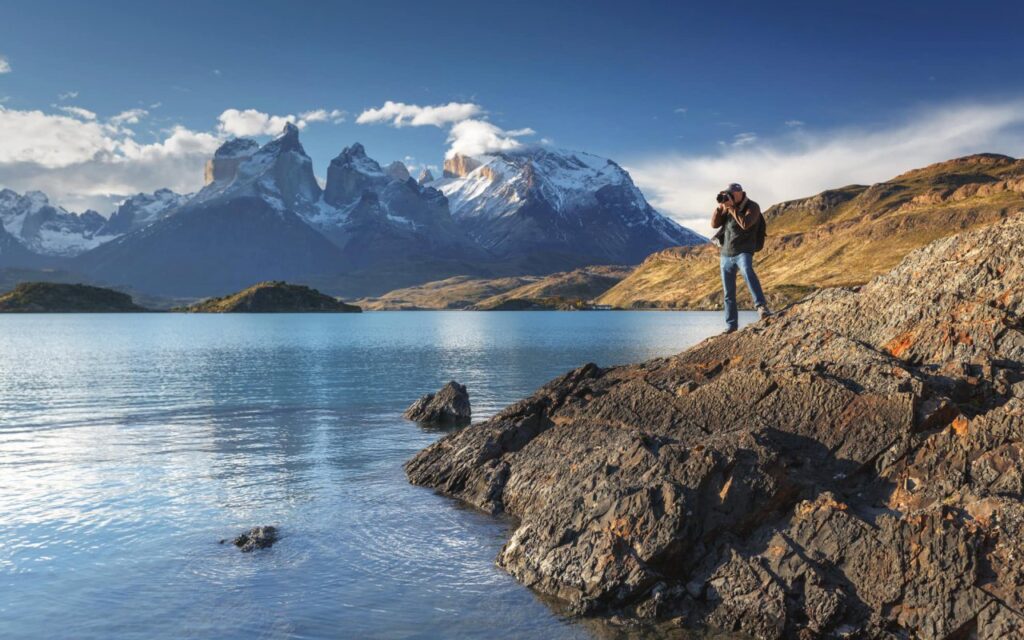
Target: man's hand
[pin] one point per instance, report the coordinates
(718, 217)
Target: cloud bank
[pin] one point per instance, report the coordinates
(803, 163)
(83, 161)
(468, 133)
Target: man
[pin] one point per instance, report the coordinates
(738, 218)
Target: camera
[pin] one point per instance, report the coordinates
(723, 196)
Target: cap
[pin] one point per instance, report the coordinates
(735, 186)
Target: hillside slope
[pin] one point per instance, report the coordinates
(467, 292)
(52, 297)
(274, 297)
(559, 289)
(840, 237)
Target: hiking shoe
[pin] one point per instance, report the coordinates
(729, 330)
(763, 311)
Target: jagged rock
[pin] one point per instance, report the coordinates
(425, 176)
(459, 166)
(397, 171)
(449, 406)
(223, 166)
(849, 467)
(256, 538)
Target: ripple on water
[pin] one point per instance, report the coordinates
(130, 445)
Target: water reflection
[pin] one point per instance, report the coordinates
(129, 445)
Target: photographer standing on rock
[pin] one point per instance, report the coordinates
(741, 233)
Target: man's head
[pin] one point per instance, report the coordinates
(735, 193)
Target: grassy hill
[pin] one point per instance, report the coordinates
(55, 297)
(273, 297)
(840, 237)
(567, 290)
(558, 290)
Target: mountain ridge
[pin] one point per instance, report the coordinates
(839, 237)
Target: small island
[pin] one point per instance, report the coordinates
(273, 297)
(54, 297)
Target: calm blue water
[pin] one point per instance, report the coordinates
(131, 444)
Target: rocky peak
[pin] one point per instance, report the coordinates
(280, 172)
(397, 171)
(287, 140)
(351, 173)
(425, 176)
(223, 167)
(459, 166)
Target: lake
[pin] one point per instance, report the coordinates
(131, 444)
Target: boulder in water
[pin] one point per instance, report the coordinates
(449, 406)
(256, 538)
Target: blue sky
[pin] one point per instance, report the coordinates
(650, 84)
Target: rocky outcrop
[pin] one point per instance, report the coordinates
(846, 468)
(449, 406)
(53, 297)
(274, 297)
(459, 166)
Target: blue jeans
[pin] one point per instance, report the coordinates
(744, 263)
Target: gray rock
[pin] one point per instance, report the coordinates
(449, 406)
(847, 468)
(256, 538)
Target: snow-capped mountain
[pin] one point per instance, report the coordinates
(141, 210)
(382, 217)
(15, 254)
(49, 230)
(570, 206)
(279, 173)
(242, 227)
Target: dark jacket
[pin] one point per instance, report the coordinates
(739, 227)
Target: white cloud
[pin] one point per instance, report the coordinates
(743, 139)
(803, 163)
(794, 124)
(333, 116)
(680, 110)
(467, 135)
(78, 112)
(400, 114)
(131, 116)
(67, 95)
(84, 163)
(477, 137)
(5, 66)
(250, 122)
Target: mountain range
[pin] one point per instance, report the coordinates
(262, 215)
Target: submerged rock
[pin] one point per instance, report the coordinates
(449, 406)
(256, 538)
(849, 467)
